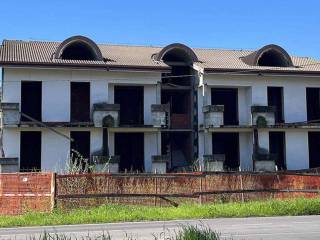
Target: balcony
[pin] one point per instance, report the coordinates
(106, 115)
(9, 165)
(213, 115)
(160, 115)
(10, 114)
(263, 116)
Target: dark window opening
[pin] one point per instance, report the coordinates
(80, 102)
(227, 144)
(273, 58)
(275, 98)
(30, 151)
(277, 146)
(229, 98)
(130, 148)
(185, 80)
(31, 100)
(180, 107)
(314, 149)
(80, 144)
(105, 142)
(177, 55)
(78, 51)
(178, 146)
(131, 103)
(313, 104)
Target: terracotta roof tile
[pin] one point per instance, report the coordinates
(41, 52)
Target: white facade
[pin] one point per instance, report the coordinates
(180, 85)
(55, 149)
(252, 90)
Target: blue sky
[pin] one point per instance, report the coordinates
(294, 25)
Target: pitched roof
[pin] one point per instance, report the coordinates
(13, 52)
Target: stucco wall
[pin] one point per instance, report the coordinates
(56, 108)
(252, 90)
(294, 99)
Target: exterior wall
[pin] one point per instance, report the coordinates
(56, 108)
(152, 147)
(246, 150)
(252, 90)
(297, 150)
(56, 101)
(11, 142)
(150, 97)
(55, 150)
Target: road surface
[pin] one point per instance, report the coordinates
(275, 228)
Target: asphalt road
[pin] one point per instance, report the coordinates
(275, 228)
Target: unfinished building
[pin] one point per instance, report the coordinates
(157, 109)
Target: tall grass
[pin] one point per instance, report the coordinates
(188, 232)
(121, 213)
(196, 233)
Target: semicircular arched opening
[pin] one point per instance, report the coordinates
(273, 56)
(78, 48)
(177, 52)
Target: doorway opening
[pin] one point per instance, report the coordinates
(130, 148)
(80, 101)
(31, 100)
(277, 145)
(227, 144)
(178, 146)
(131, 100)
(81, 144)
(30, 151)
(229, 98)
(313, 104)
(314, 149)
(275, 98)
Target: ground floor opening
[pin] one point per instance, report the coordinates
(178, 146)
(314, 149)
(228, 145)
(30, 151)
(277, 146)
(130, 148)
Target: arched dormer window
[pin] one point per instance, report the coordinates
(78, 48)
(269, 56)
(177, 52)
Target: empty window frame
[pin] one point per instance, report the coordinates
(314, 149)
(277, 146)
(275, 98)
(80, 101)
(229, 98)
(227, 144)
(30, 151)
(130, 148)
(131, 103)
(313, 104)
(31, 100)
(80, 146)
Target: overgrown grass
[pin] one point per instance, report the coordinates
(120, 213)
(186, 232)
